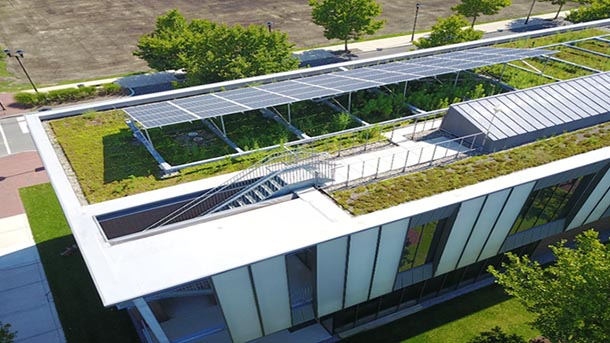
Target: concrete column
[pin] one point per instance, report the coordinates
(150, 319)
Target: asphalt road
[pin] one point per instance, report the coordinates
(14, 136)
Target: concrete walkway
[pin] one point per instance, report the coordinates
(27, 303)
(515, 25)
(25, 299)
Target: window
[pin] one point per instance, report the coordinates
(546, 205)
(418, 246)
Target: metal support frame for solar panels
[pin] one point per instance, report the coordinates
(602, 39)
(212, 126)
(593, 70)
(337, 106)
(601, 54)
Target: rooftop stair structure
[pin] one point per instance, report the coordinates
(275, 175)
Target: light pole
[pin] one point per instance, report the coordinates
(530, 12)
(417, 6)
(269, 24)
(17, 55)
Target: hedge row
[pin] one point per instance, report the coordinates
(60, 96)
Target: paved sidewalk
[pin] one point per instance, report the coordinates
(401, 41)
(27, 303)
(25, 298)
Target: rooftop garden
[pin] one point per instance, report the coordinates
(385, 194)
(109, 163)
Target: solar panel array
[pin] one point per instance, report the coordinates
(319, 86)
(540, 108)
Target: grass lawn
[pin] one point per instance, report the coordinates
(456, 321)
(82, 315)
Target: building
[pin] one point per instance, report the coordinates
(293, 266)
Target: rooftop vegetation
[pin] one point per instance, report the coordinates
(109, 163)
(384, 194)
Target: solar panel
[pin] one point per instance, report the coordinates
(319, 86)
(208, 105)
(159, 114)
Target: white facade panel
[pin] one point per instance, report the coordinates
(582, 217)
(271, 285)
(236, 298)
(483, 227)
(391, 243)
(362, 248)
(464, 222)
(509, 214)
(330, 278)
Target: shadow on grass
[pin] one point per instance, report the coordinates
(83, 317)
(433, 317)
(125, 157)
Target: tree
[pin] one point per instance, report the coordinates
(598, 9)
(568, 298)
(6, 336)
(211, 52)
(346, 19)
(448, 31)
(475, 8)
(496, 335)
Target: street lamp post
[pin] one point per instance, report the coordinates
(530, 12)
(17, 55)
(417, 6)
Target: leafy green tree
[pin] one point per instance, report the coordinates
(346, 19)
(598, 9)
(475, 8)
(570, 297)
(448, 31)
(211, 52)
(161, 48)
(496, 335)
(6, 336)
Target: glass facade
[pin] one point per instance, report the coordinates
(299, 267)
(546, 205)
(417, 250)
(406, 297)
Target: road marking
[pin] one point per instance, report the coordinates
(8, 149)
(23, 125)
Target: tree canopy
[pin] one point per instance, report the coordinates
(211, 52)
(475, 8)
(496, 335)
(597, 9)
(570, 297)
(449, 31)
(6, 336)
(346, 19)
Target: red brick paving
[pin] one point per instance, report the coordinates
(10, 106)
(16, 171)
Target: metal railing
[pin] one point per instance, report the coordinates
(309, 170)
(274, 162)
(398, 162)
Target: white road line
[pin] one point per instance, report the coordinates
(23, 125)
(8, 149)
